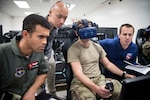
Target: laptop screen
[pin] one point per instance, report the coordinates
(136, 89)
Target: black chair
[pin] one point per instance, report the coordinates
(43, 96)
(69, 74)
(71, 38)
(60, 72)
(7, 37)
(140, 40)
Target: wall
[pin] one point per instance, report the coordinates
(17, 23)
(135, 12)
(10, 23)
(5, 21)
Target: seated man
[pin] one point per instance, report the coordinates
(146, 45)
(22, 66)
(120, 48)
(84, 56)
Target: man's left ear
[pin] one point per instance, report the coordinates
(119, 36)
(24, 33)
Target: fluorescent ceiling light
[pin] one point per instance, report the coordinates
(28, 13)
(71, 6)
(22, 4)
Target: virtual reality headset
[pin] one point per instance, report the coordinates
(87, 32)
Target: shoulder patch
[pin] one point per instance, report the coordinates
(20, 71)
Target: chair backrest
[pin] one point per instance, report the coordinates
(71, 38)
(140, 40)
(69, 74)
(7, 37)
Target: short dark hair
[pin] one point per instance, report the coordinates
(30, 22)
(85, 23)
(126, 25)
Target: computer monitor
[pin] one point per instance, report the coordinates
(1, 34)
(136, 89)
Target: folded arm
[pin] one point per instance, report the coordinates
(30, 94)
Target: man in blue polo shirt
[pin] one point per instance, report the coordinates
(119, 49)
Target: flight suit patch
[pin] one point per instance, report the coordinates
(19, 72)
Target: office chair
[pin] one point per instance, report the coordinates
(9, 35)
(140, 40)
(43, 95)
(69, 74)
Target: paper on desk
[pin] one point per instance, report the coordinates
(139, 68)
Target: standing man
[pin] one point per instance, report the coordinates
(119, 49)
(23, 68)
(56, 17)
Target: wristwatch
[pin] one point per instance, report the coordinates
(123, 74)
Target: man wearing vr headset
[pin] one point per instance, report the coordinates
(146, 45)
(84, 56)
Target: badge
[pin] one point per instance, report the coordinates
(128, 56)
(19, 72)
(33, 65)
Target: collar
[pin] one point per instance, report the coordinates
(15, 47)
